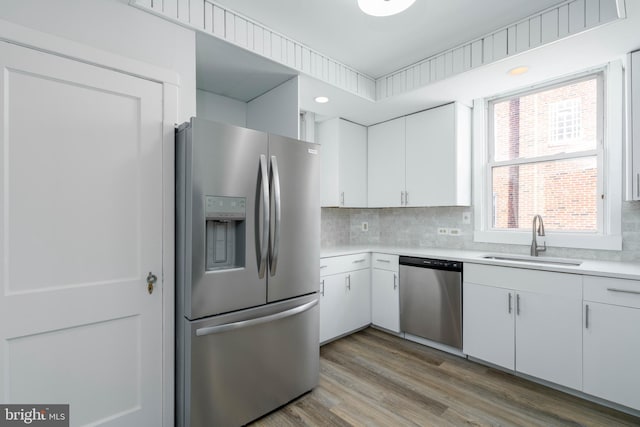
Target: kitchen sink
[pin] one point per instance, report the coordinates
(534, 260)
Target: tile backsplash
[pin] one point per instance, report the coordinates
(418, 228)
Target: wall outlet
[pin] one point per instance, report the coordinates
(454, 231)
(365, 226)
(443, 230)
(466, 217)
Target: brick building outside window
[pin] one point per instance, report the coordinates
(545, 157)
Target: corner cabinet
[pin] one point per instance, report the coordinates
(611, 341)
(343, 163)
(422, 159)
(386, 164)
(345, 295)
(385, 292)
(525, 320)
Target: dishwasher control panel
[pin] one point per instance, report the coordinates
(438, 264)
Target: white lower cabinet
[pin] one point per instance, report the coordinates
(385, 294)
(611, 340)
(488, 324)
(345, 295)
(548, 337)
(525, 320)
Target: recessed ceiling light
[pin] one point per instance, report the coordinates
(384, 7)
(518, 70)
(321, 99)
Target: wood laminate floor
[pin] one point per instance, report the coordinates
(372, 378)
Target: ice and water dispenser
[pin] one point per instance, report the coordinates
(225, 232)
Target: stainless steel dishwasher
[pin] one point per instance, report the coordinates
(431, 299)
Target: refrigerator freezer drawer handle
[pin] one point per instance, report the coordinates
(254, 322)
(264, 243)
(275, 189)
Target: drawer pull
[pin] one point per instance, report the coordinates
(357, 261)
(323, 266)
(586, 316)
(623, 291)
(383, 260)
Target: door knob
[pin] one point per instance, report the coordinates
(151, 279)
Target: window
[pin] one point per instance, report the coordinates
(554, 174)
(566, 120)
(544, 152)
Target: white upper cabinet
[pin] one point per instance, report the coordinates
(634, 124)
(422, 159)
(344, 163)
(438, 165)
(386, 164)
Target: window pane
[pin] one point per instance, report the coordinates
(564, 192)
(562, 119)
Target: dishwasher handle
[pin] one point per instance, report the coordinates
(431, 263)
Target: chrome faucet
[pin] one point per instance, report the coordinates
(534, 243)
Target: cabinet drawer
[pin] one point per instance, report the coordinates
(612, 291)
(342, 264)
(385, 262)
(521, 279)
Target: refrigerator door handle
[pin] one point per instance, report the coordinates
(258, 321)
(275, 188)
(264, 243)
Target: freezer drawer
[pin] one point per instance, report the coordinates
(243, 365)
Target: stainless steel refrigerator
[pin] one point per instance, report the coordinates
(247, 272)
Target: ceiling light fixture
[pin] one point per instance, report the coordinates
(384, 7)
(518, 70)
(321, 99)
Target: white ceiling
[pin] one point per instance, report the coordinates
(377, 46)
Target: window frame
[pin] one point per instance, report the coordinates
(609, 163)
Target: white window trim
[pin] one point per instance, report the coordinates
(611, 236)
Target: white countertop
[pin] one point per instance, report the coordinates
(622, 270)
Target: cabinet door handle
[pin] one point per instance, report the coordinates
(395, 281)
(402, 198)
(638, 185)
(357, 261)
(342, 198)
(406, 198)
(623, 291)
(586, 316)
(323, 266)
(322, 289)
(348, 281)
(518, 304)
(510, 297)
(384, 260)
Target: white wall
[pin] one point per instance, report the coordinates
(277, 110)
(116, 27)
(212, 106)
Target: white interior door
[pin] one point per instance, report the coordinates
(80, 227)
